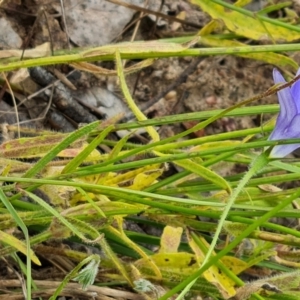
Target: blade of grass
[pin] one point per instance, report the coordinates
(229, 247)
(70, 58)
(79, 158)
(101, 168)
(63, 220)
(24, 229)
(61, 146)
(203, 124)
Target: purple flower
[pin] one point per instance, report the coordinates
(288, 121)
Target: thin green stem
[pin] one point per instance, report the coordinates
(232, 245)
(72, 58)
(259, 163)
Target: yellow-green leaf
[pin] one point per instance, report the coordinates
(234, 264)
(144, 180)
(214, 274)
(116, 261)
(180, 262)
(269, 57)
(121, 235)
(170, 239)
(128, 176)
(241, 3)
(204, 172)
(245, 25)
(19, 245)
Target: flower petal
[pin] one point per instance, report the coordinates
(295, 90)
(287, 106)
(283, 150)
(290, 132)
(293, 130)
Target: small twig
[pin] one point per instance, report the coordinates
(28, 38)
(14, 102)
(156, 13)
(162, 3)
(49, 31)
(65, 22)
(44, 113)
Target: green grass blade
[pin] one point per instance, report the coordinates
(61, 146)
(24, 229)
(78, 159)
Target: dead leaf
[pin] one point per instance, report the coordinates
(39, 51)
(170, 239)
(214, 274)
(269, 188)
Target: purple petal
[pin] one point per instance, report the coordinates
(288, 121)
(295, 90)
(287, 106)
(283, 150)
(293, 130)
(280, 133)
(283, 131)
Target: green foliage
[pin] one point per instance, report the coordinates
(88, 196)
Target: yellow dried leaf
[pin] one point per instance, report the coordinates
(268, 57)
(214, 275)
(144, 180)
(234, 264)
(269, 188)
(181, 262)
(125, 177)
(39, 51)
(19, 245)
(245, 25)
(73, 152)
(170, 239)
(59, 196)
